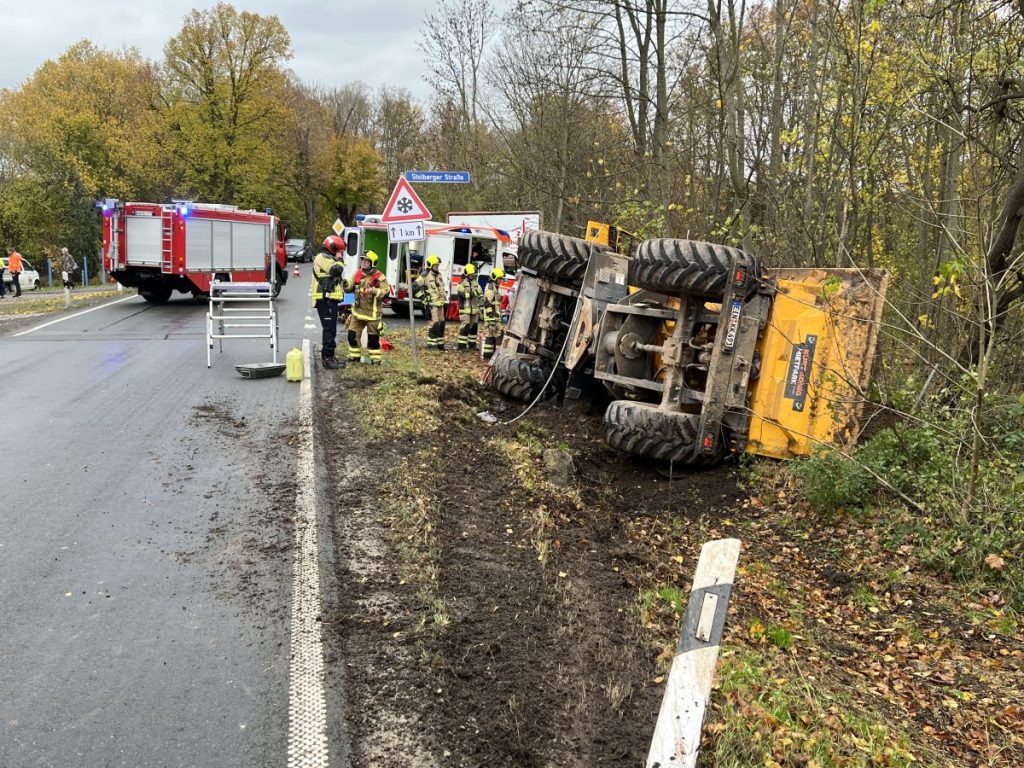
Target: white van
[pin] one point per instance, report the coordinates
(452, 244)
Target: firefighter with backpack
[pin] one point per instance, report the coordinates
(490, 308)
(429, 288)
(469, 308)
(370, 286)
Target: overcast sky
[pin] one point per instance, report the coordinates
(334, 42)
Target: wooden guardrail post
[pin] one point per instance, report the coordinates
(676, 741)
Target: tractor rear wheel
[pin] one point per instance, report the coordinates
(515, 377)
(559, 257)
(645, 430)
(665, 265)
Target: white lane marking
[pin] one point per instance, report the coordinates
(307, 705)
(77, 314)
(309, 327)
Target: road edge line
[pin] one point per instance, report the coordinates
(307, 705)
(68, 317)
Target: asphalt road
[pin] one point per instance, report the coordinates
(145, 566)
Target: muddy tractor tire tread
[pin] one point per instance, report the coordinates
(667, 265)
(558, 257)
(514, 377)
(644, 430)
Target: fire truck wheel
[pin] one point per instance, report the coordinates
(561, 258)
(687, 266)
(156, 295)
(514, 377)
(645, 430)
(276, 283)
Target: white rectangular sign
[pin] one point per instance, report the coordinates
(406, 231)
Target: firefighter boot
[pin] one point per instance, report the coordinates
(355, 352)
(373, 349)
(333, 364)
(489, 343)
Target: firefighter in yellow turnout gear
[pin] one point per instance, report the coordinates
(429, 289)
(469, 308)
(327, 294)
(370, 287)
(490, 308)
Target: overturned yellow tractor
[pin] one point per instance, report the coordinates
(700, 350)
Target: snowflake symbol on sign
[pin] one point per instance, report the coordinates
(404, 205)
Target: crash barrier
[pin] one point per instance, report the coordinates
(240, 311)
(676, 739)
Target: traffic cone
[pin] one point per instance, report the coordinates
(295, 272)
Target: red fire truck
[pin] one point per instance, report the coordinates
(183, 246)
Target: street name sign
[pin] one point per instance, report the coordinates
(437, 177)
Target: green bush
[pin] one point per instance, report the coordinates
(926, 458)
(831, 482)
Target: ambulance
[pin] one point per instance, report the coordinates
(456, 245)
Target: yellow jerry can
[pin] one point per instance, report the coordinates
(294, 368)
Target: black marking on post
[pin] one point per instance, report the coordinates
(688, 640)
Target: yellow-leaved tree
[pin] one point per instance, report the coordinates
(81, 127)
(226, 92)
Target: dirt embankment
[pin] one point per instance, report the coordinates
(489, 617)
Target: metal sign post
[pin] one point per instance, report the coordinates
(406, 232)
(412, 314)
(676, 739)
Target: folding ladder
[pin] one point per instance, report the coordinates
(240, 311)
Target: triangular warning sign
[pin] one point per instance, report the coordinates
(404, 205)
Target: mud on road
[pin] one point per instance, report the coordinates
(487, 616)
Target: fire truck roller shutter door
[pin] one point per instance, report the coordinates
(143, 237)
(199, 248)
(250, 244)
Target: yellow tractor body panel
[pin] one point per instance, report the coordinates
(816, 358)
(600, 233)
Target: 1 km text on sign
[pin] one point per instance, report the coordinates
(405, 232)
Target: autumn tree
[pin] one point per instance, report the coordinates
(225, 92)
(82, 127)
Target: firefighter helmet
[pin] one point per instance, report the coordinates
(469, 271)
(371, 257)
(497, 273)
(334, 245)
(432, 261)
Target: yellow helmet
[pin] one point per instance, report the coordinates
(469, 270)
(497, 273)
(371, 257)
(432, 261)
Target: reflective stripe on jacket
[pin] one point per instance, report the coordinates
(369, 289)
(490, 303)
(322, 277)
(469, 296)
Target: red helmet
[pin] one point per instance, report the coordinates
(334, 245)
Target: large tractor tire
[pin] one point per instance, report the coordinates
(514, 377)
(559, 257)
(686, 266)
(157, 295)
(645, 430)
